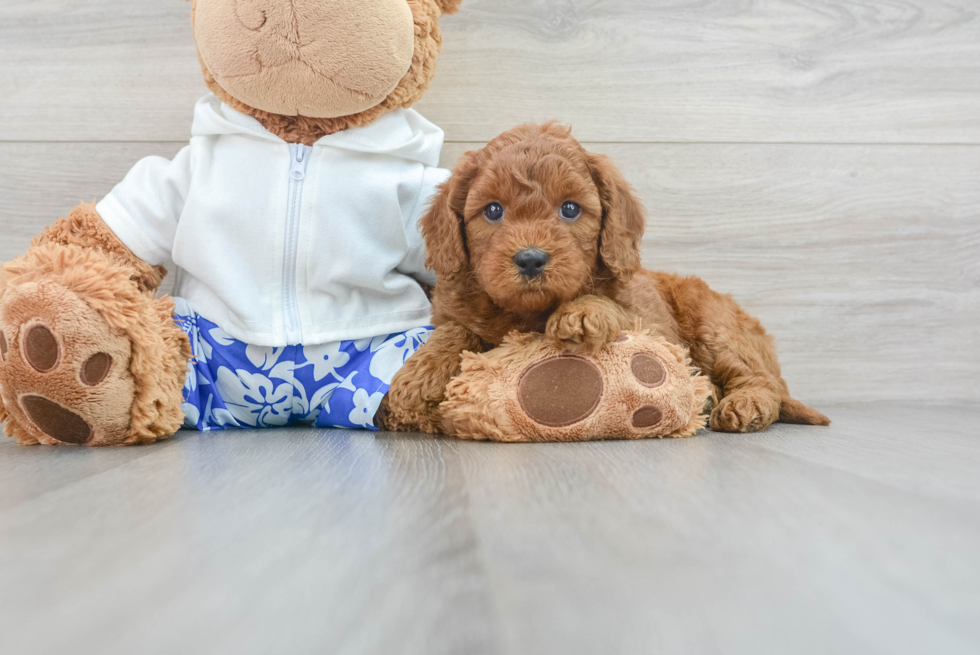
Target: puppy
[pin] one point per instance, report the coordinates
(533, 233)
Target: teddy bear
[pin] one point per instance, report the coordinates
(291, 218)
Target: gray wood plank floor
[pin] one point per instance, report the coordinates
(858, 538)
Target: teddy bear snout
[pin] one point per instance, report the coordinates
(314, 58)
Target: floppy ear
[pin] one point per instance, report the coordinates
(449, 6)
(442, 225)
(623, 219)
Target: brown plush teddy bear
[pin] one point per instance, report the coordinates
(291, 218)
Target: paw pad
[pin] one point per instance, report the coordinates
(560, 391)
(3, 346)
(648, 370)
(41, 349)
(95, 369)
(647, 417)
(56, 421)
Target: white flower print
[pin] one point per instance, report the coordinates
(325, 359)
(223, 417)
(253, 399)
(390, 355)
(220, 336)
(363, 344)
(321, 399)
(191, 415)
(263, 357)
(190, 383)
(365, 407)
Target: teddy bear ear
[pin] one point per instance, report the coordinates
(449, 6)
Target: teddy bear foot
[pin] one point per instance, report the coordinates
(86, 358)
(65, 373)
(529, 390)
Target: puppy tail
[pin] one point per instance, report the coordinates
(793, 411)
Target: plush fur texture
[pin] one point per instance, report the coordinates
(484, 400)
(307, 129)
(90, 299)
(592, 288)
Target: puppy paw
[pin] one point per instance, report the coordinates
(745, 410)
(586, 323)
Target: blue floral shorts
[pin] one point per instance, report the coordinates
(231, 384)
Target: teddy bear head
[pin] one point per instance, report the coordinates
(307, 68)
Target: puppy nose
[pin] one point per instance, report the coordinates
(531, 262)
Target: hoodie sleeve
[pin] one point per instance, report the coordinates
(144, 208)
(414, 262)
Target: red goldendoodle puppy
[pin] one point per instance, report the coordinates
(533, 233)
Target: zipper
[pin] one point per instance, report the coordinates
(299, 156)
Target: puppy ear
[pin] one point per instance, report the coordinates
(442, 225)
(623, 219)
(449, 6)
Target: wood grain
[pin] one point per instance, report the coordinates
(631, 70)
(857, 538)
(864, 261)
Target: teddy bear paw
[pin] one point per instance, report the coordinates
(529, 390)
(64, 373)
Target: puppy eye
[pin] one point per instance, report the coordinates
(494, 212)
(570, 211)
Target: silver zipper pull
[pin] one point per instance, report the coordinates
(300, 156)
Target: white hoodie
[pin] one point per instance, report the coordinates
(283, 244)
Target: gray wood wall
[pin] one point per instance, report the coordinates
(819, 159)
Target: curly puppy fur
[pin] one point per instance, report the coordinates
(591, 289)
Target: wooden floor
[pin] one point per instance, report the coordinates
(818, 159)
(859, 538)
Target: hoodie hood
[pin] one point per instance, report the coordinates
(400, 133)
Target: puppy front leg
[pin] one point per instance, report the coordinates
(588, 323)
(412, 402)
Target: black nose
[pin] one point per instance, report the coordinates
(531, 262)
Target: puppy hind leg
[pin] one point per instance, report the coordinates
(751, 395)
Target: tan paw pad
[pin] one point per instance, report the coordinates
(56, 421)
(96, 369)
(561, 391)
(647, 417)
(648, 370)
(41, 349)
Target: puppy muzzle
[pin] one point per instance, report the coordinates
(531, 262)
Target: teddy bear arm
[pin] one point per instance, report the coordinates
(84, 227)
